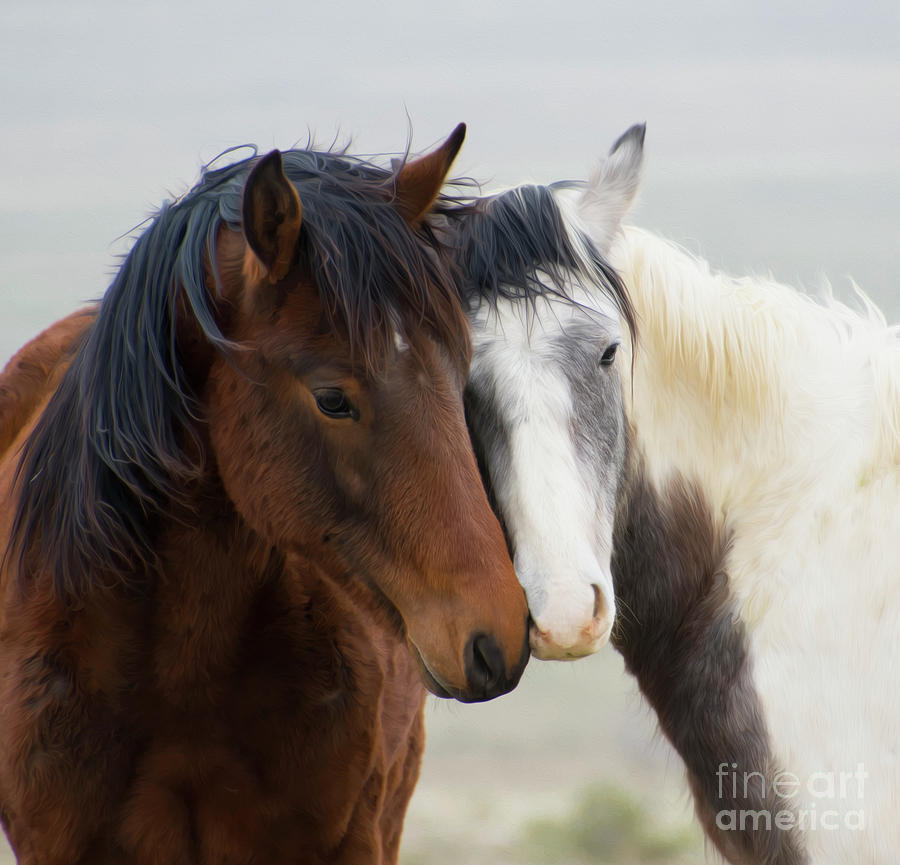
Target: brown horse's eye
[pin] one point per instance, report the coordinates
(332, 402)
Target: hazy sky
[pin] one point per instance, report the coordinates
(773, 128)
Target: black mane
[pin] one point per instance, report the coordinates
(109, 451)
(515, 245)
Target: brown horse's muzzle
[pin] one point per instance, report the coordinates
(477, 663)
(487, 674)
(486, 669)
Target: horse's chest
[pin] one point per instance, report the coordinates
(308, 745)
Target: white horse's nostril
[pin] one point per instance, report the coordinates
(602, 611)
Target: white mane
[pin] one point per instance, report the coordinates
(757, 347)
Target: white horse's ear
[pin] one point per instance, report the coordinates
(611, 190)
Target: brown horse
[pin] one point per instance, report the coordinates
(236, 494)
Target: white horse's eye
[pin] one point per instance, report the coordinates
(609, 355)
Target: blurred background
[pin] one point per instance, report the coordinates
(773, 146)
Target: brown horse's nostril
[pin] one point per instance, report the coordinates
(485, 667)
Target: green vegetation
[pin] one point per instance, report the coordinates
(607, 826)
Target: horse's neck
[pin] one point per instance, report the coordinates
(763, 471)
(216, 571)
(678, 633)
(34, 372)
(210, 567)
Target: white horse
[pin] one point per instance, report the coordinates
(747, 442)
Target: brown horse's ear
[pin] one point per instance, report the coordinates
(419, 182)
(272, 214)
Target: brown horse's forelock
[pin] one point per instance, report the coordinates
(376, 276)
(109, 452)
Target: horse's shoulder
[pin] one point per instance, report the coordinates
(33, 373)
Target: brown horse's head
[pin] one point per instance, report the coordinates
(337, 422)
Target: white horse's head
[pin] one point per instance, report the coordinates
(544, 398)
